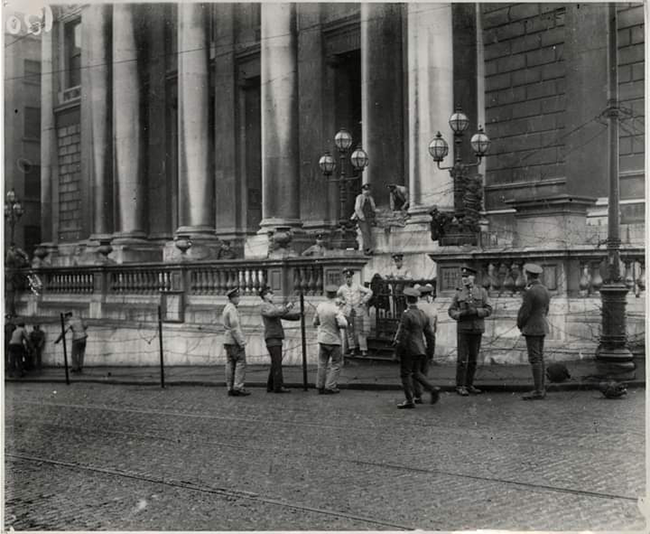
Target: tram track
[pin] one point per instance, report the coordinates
(227, 493)
(195, 436)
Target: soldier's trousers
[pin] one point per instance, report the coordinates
(425, 363)
(235, 367)
(410, 372)
(329, 366)
(535, 346)
(469, 346)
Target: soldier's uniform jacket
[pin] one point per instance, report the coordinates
(531, 319)
(470, 308)
(414, 327)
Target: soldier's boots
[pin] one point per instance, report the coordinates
(462, 391)
(473, 390)
(406, 405)
(539, 393)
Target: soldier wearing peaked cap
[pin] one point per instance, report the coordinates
(531, 320)
(317, 249)
(415, 340)
(355, 298)
(426, 305)
(235, 345)
(469, 308)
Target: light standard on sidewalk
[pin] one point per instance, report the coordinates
(612, 355)
(13, 212)
(345, 236)
(462, 226)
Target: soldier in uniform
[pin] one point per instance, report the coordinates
(355, 298)
(426, 305)
(531, 320)
(469, 308)
(415, 340)
(319, 249)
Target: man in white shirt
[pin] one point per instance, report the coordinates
(235, 345)
(355, 298)
(79, 336)
(329, 319)
(365, 212)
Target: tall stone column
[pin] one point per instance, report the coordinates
(48, 139)
(130, 209)
(382, 82)
(279, 80)
(196, 186)
(431, 102)
(97, 26)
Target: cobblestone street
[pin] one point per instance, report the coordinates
(91, 456)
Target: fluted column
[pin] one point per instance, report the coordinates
(279, 80)
(196, 187)
(97, 26)
(431, 102)
(130, 215)
(382, 81)
(48, 139)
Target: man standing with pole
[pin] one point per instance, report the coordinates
(469, 308)
(272, 316)
(531, 320)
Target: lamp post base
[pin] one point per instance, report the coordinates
(613, 358)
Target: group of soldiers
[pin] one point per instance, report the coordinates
(345, 309)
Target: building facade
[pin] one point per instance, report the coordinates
(206, 122)
(22, 127)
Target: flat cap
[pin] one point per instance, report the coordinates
(533, 268)
(331, 288)
(426, 289)
(234, 292)
(411, 292)
(467, 269)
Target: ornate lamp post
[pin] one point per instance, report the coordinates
(612, 356)
(346, 235)
(467, 189)
(13, 212)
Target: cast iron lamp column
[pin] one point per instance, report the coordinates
(13, 212)
(612, 356)
(438, 148)
(345, 236)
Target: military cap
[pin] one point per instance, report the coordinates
(365, 186)
(234, 292)
(424, 290)
(467, 269)
(331, 288)
(533, 268)
(348, 272)
(398, 256)
(411, 292)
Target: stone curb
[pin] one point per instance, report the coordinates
(497, 388)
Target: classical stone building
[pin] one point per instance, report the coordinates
(206, 122)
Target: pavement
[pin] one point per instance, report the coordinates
(356, 374)
(126, 458)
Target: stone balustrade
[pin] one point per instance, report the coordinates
(576, 272)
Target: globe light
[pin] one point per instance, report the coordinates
(327, 164)
(343, 140)
(480, 143)
(438, 148)
(11, 196)
(18, 209)
(359, 158)
(459, 121)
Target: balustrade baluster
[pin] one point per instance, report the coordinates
(509, 284)
(495, 283)
(641, 279)
(485, 276)
(262, 278)
(596, 279)
(296, 279)
(585, 279)
(502, 276)
(629, 277)
(304, 280)
(219, 280)
(247, 281)
(318, 284)
(520, 282)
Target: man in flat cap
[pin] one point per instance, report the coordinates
(469, 308)
(531, 320)
(415, 340)
(355, 298)
(365, 213)
(235, 345)
(317, 249)
(399, 197)
(272, 316)
(329, 319)
(79, 328)
(426, 305)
